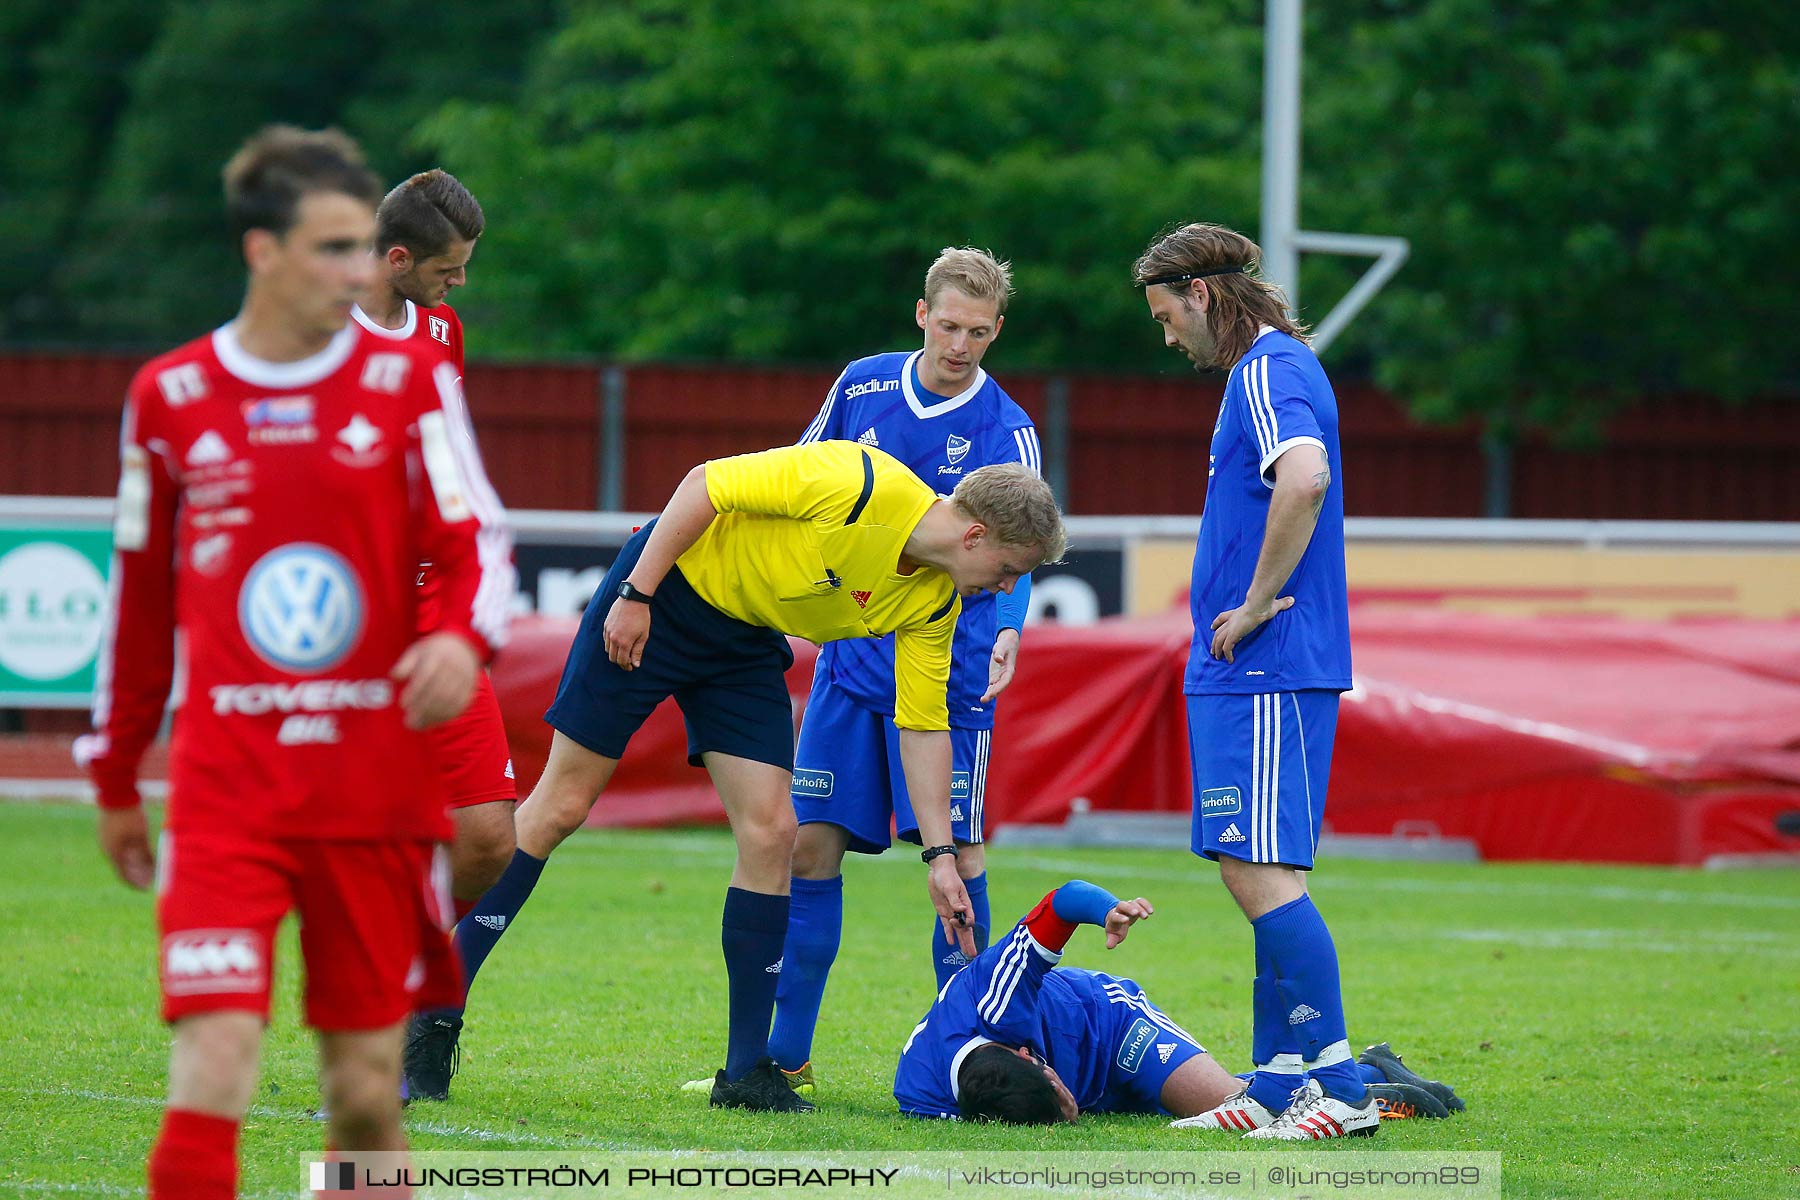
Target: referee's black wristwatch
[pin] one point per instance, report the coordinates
(627, 592)
(932, 852)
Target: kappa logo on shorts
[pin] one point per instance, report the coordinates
(1221, 802)
(808, 782)
(1135, 1045)
(1231, 834)
(1165, 1050)
(202, 962)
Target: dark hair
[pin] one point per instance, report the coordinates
(1240, 301)
(426, 213)
(266, 178)
(995, 1084)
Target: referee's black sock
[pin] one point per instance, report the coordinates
(754, 930)
(477, 933)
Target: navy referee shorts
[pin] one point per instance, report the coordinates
(726, 675)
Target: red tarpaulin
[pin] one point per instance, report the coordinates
(1545, 737)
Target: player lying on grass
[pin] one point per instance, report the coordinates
(1012, 1039)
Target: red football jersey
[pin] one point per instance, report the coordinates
(271, 519)
(437, 335)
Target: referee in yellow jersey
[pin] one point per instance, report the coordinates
(824, 540)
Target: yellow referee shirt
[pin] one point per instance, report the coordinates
(808, 541)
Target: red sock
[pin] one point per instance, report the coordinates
(195, 1157)
(462, 907)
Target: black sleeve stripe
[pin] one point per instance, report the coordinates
(944, 611)
(862, 501)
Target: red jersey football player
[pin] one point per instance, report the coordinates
(425, 233)
(282, 478)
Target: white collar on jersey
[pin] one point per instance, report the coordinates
(923, 411)
(263, 373)
(957, 1062)
(406, 330)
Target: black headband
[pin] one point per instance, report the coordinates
(1174, 279)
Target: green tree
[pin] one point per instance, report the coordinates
(134, 110)
(769, 181)
(62, 88)
(1600, 199)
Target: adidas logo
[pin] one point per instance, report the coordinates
(497, 924)
(861, 598)
(1303, 1014)
(1164, 1050)
(868, 438)
(956, 813)
(509, 770)
(775, 968)
(208, 449)
(1231, 834)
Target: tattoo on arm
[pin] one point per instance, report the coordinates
(1321, 482)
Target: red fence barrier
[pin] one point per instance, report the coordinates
(1127, 444)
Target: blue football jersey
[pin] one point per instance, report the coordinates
(877, 401)
(1089, 1026)
(1277, 397)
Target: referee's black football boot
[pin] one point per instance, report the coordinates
(762, 1088)
(1381, 1056)
(431, 1057)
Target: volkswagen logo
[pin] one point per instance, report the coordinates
(301, 608)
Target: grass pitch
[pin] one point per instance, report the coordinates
(1616, 1032)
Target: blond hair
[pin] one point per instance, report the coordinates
(1017, 507)
(977, 274)
(1241, 302)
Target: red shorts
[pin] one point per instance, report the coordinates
(471, 753)
(374, 926)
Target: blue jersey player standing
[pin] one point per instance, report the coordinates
(937, 411)
(1271, 655)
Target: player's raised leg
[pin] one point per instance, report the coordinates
(573, 779)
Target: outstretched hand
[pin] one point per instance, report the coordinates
(1124, 915)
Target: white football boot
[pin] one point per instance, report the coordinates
(1314, 1116)
(1240, 1114)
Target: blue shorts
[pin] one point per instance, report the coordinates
(726, 675)
(1146, 1047)
(1261, 766)
(847, 772)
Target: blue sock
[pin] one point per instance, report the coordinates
(753, 930)
(1274, 1050)
(1306, 976)
(1370, 1075)
(814, 930)
(946, 958)
(493, 915)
